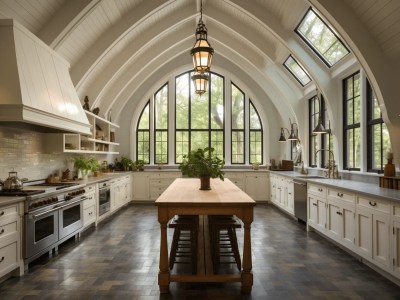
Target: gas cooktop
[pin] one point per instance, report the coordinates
(18, 193)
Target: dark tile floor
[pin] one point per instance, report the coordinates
(119, 260)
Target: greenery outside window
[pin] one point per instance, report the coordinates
(143, 135)
(199, 119)
(237, 125)
(378, 139)
(256, 136)
(161, 125)
(321, 38)
(297, 70)
(352, 128)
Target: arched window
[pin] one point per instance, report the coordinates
(200, 121)
(256, 136)
(143, 135)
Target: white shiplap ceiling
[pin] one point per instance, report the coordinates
(112, 43)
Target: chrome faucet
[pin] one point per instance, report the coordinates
(332, 170)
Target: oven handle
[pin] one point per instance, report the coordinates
(56, 208)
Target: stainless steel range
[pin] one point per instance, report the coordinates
(51, 217)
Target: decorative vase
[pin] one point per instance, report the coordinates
(205, 183)
(389, 169)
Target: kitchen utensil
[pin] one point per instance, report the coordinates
(13, 182)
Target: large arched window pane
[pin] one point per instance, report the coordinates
(143, 135)
(256, 137)
(199, 118)
(161, 126)
(238, 129)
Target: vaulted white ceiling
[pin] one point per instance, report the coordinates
(115, 47)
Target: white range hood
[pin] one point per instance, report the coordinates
(35, 85)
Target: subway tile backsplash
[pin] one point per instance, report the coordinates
(22, 150)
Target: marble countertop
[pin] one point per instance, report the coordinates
(367, 189)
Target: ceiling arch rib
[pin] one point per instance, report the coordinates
(123, 31)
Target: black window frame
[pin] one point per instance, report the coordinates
(256, 130)
(371, 122)
(189, 130)
(293, 74)
(239, 130)
(312, 46)
(143, 130)
(160, 130)
(347, 127)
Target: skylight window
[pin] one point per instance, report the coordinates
(321, 38)
(297, 70)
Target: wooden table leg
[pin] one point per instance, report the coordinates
(163, 274)
(247, 274)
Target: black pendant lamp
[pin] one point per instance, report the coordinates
(320, 128)
(200, 81)
(202, 51)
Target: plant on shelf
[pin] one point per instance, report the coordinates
(204, 164)
(85, 165)
(139, 164)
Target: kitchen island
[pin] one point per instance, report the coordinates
(183, 197)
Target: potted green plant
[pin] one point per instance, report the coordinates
(140, 164)
(204, 164)
(126, 162)
(85, 165)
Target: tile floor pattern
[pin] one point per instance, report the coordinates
(119, 260)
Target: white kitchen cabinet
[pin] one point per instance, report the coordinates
(340, 223)
(273, 187)
(10, 239)
(160, 181)
(237, 178)
(316, 207)
(396, 248)
(373, 230)
(140, 186)
(257, 185)
(89, 209)
(120, 192)
(282, 192)
(100, 141)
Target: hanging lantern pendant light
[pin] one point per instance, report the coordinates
(202, 51)
(200, 81)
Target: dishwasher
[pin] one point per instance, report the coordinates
(300, 199)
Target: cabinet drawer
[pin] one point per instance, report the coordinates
(378, 205)
(91, 200)
(154, 194)
(89, 215)
(7, 229)
(341, 195)
(90, 188)
(231, 175)
(165, 182)
(8, 255)
(8, 212)
(316, 189)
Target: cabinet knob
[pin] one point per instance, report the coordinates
(372, 203)
(340, 195)
(2, 259)
(315, 204)
(339, 213)
(320, 190)
(2, 231)
(2, 213)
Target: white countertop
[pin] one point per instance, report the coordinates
(367, 189)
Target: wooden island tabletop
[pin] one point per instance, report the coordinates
(185, 191)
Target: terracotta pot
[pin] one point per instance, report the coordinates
(205, 183)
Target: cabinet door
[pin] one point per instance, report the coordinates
(396, 248)
(348, 226)
(312, 206)
(141, 187)
(321, 214)
(364, 232)
(257, 186)
(381, 239)
(290, 196)
(273, 190)
(334, 220)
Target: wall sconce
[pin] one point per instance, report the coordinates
(293, 134)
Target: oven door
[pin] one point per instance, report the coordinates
(70, 218)
(41, 231)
